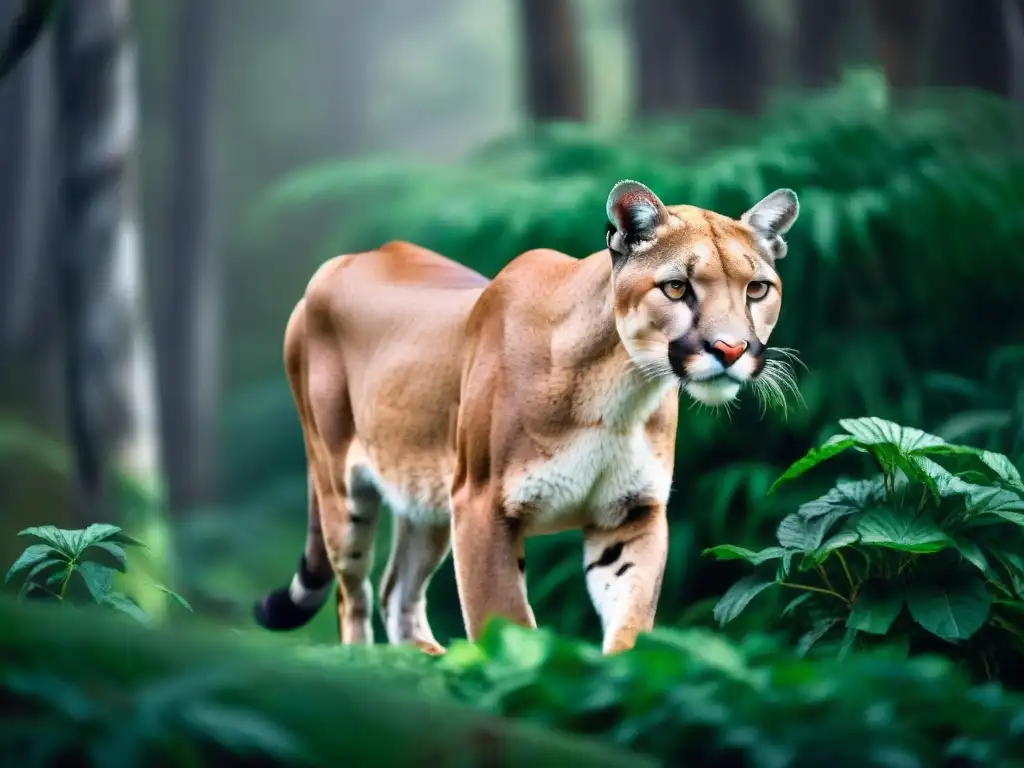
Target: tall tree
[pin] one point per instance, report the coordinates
(902, 34)
(662, 72)
(110, 370)
(552, 78)
(819, 40)
(27, 167)
(189, 296)
(698, 54)
(976, 44)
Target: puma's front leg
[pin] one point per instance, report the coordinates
(485, 550)
(624, 567)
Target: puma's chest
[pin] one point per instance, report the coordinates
(589, 481)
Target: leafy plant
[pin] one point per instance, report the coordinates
(891, 190)
(694, 698)
(93, 555)
(930, 543)
(108, 693)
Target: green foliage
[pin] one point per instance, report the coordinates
(904, 205)
(191, 697)
(938, 532)
(78, 566)
(689, 697)
(692, 697)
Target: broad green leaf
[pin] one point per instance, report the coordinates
(32, 555)
(842, 538)
(996, 501)
(869, 431)
(973, 554)
(796, 532)
(845, 498)
(53, 536)
(1004, 469)
(903, 530)
(738, 597)
(953, 608)
(174, 596)
(39, 569)
(806, 529)
(813, 635)
(831, 447)
(123, 603)
(115, 551)
(731, 552)
(98, 532)
(875, 608)
(1014, 565)
(97, 577)
(946, 483)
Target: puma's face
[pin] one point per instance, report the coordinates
(696, 293)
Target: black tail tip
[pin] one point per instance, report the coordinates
(276, 612)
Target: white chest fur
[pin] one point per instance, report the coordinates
(595, 471)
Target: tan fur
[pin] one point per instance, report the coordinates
(483, 413)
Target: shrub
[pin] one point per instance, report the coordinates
(93, 555)
(930, 544)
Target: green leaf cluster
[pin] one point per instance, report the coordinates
(79, 566)
(189, 696)
(933, 538)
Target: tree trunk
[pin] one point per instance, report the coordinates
(902, 35)
(971, 48)
(552, 80)
(189, 297)
(819, 41)
(27, 194)
(698, 54)
(661, 65)
(110, 381)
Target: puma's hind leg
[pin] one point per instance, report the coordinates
(349, 537)
(418, 548)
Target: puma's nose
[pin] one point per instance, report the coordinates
(727, 353)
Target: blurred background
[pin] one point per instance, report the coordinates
(173, 171)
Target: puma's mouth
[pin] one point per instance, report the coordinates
(718, 389)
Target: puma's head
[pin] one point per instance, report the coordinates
(696, 293)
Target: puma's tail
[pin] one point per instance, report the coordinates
(293, 606)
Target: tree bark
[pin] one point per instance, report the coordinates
(99, 265)
(552, 80)
(819, 41)
(729, 55)
(902, 35)
(971, 48)
(189, 297)
(661, 67)
(27, 194)
(697, 54)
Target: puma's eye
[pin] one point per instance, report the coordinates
(757, 289)
(674, 289)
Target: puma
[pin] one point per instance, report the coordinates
(482, 412)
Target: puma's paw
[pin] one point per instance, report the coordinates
(434, 649)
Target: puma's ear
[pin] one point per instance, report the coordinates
(772, 217)
(634, 213)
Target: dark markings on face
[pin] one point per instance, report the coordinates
(355, 555)
(623, 568)
(358, 519)
(522, 565)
